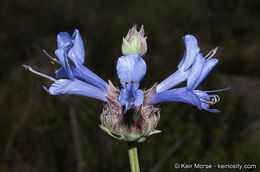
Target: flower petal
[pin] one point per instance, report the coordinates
(62, 56)
(61, 73)
(83, 73)
(210, 110)
(139, 98)
(129, 97)
(77, 51)
(208, 66)
(131, 68)
(205, 98)
(126, 98)
(123, 97)
(62, 38)
(76, 87)
(177, 95)
(192, 49)
(176, 78)
(196, 70)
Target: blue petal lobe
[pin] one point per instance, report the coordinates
(180, 65)
(123, 97)
(139, 98)
(76, 87)
(177, 95)
(126, 98)
(61, 73)
(62, 38)
(62, 56)
(176, 78)
(192, 49)
(131, 68)
(202, 94)
(196, 70)
(77, 52)
(208, 66)
(130, 97)
(83, 73)
(211, 110)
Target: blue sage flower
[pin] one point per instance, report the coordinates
(129, 113)
(193, 68)
(131, 69)
(73, 78)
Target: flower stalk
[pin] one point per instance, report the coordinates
(133, 156)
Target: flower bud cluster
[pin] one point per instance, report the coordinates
(134, 42)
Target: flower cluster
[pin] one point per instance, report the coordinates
(129, 113)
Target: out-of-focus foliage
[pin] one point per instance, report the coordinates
(35, 126)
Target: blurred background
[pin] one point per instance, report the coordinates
(40, 132)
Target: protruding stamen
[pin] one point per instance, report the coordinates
(214, 99)
(53, 59)
(214, 91)
(38, 73)
(211, 53)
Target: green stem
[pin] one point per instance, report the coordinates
(133, 157)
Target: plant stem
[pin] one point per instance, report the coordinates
(133, 157)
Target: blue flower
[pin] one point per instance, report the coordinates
(143, 113)
(77, 79)
(193, 68)
(73, 78)
(130, 70)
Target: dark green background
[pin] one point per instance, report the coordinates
(35, 126)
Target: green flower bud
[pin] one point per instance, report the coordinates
(136, 125)
(134, 42)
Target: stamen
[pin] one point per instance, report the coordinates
(211, 53)
(38, 73)
(132, 81)
(126, 82)
(214, 91)
(53, 59)
(213, 99)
